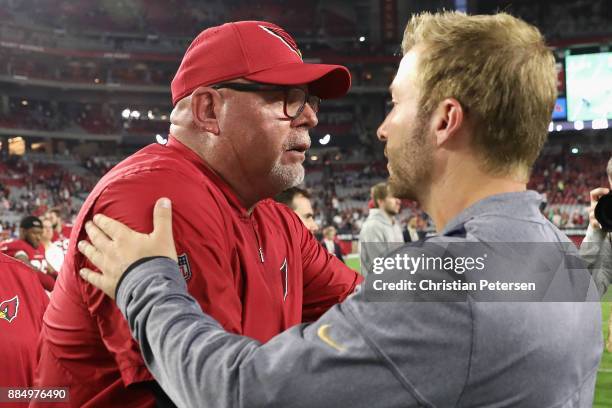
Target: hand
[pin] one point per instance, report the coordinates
(596, 194)
(114, 246)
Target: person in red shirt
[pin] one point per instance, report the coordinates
(28, 249)
(22, 304)
(61, 230)
(244, 102)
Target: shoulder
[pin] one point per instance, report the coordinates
(179, 181)
(14, 269)
(6, 244)
(14, 244)
(508, 228)
(156, 165)
(7, 263)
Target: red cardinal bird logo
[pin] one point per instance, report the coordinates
(9, 308)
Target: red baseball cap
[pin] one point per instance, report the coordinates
(257, 51)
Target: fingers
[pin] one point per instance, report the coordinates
(99, 281)
(593, 221)
(112, 228)
(162, 229)
(162, 218)
(92, 254)
(97, 237)
(597, 193)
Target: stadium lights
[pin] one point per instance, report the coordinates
(164, 117)
(150, 115)
(599, 124)
(126, 113)
(314, 158)
(575, 150)
(97, 80)
(24, 102)
(578, 125)
(362, 39)
(325, 139)
(135, 114)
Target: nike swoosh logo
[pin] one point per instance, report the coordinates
(323, 334)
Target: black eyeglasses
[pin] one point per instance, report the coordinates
(295, 98)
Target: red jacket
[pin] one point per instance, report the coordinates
(22, 304)
(257, 274)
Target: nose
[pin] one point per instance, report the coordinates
(381, 133)
(307, 118)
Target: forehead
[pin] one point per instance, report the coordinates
(406, 73)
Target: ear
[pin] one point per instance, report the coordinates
(205, 107)
(447, 120)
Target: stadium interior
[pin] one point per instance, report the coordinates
(86, 83)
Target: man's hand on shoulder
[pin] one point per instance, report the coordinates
(114, 246)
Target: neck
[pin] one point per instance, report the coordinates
(455, 192)
(220, 164)
(386, 214)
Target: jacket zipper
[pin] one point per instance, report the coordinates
(259, 249)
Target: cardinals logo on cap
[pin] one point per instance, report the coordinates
(9, 308)
(284, 37)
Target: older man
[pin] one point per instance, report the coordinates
(244, 102)
(472, 101)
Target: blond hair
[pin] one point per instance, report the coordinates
(501, 72)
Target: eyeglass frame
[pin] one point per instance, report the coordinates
(258, 87)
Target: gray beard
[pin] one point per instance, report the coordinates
(287, 176)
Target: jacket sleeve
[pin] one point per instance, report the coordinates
(211, 282)
(197, 363)
(327, 280)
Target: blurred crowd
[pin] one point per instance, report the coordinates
(340, 191)
(32, 188)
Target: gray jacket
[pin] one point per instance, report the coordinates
(379, 230)
(384, 354)
(596, 249)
